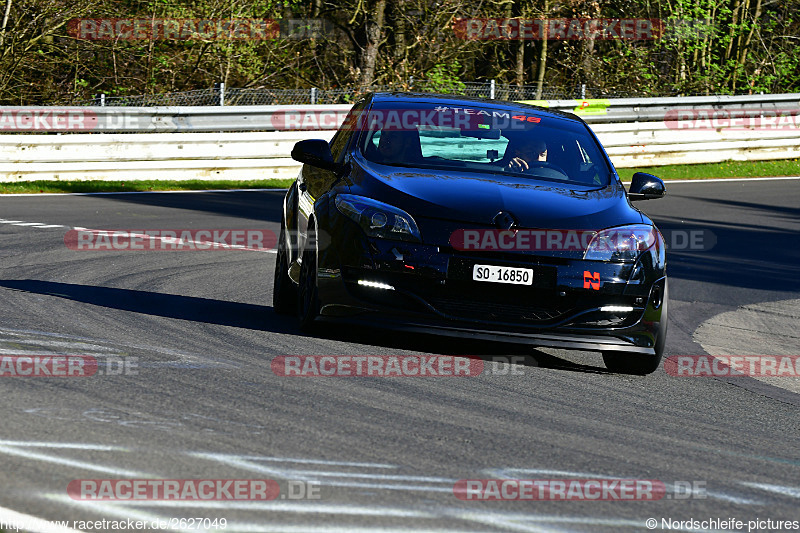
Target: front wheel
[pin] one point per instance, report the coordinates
(631, 363)
(284, 292)
(307, 294)
(641, 364)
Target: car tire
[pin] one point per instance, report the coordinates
(641, 364)
(631, 363)
(284, 291)
(307, 293)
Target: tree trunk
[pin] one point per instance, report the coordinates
(5, 23)
(746, 46)
(542, 56)
(517, 49)
(731, 34)
(400, 49)
(588, 49)
(374, 28)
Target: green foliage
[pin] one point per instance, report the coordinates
(28, 187)
(443, 78)
(711, 46)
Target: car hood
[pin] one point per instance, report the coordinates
(477, 198)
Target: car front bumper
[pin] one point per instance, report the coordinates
(432, 291)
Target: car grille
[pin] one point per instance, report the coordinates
(496, 312)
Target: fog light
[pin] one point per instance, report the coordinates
(375, 285)
(616, 309)
(657, 299)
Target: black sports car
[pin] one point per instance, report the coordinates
(475, 218)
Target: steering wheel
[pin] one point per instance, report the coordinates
(544, 164)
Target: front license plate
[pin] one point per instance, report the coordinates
(501, 274)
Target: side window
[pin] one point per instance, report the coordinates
(343, 136)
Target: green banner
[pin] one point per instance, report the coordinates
(591, 107)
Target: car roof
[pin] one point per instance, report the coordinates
(450, 99)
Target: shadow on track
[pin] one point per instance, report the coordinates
(743, 256)
(753, 242)
(205, 310)
(264, 205)
(262, 318)
(488, 351)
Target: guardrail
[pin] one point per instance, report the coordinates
(147, 156)
(244, 142)
(168, 119)
(632, 145)
(263, 155)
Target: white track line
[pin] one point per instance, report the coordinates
(73, 463)
(62, 445)
(794, 492)
(165, 240)
(30, 224)
(178, 241)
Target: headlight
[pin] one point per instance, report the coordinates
(378, 219)
(623, 243)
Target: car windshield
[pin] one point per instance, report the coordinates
(521, 142)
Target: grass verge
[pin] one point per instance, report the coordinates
(23, 187)
(728, 169)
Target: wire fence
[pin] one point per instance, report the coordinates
(221, 95)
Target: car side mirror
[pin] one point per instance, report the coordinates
(646, 187)
(314, 152)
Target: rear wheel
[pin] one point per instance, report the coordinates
(284, 292)
(307, 295)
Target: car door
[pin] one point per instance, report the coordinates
(313, 182)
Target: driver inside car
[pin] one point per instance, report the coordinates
(525, 152)
(399, 146)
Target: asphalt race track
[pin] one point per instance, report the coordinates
(201, 400)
